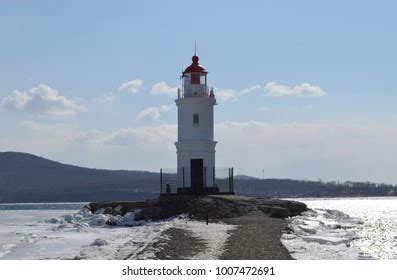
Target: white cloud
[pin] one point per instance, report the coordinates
(136, 148)
(139, 139)
(329, 150)
(105, 98)
(226, 95)
(154, 137)
(56, 130)
(230, 95)
(304, 89)
(43, 100)
(153, 113)
(270, 89)
(132, 86)
(163, 89)
(251, 89)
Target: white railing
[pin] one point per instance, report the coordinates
(201, 91)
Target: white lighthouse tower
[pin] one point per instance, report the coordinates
(196, 145)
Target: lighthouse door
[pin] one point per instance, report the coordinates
(196, 174)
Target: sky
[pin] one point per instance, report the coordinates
(305, 89)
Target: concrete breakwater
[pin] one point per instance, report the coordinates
(257, 223)
(205, 208)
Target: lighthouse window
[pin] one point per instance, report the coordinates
(202, 79)
(195, 79)
(196, 119)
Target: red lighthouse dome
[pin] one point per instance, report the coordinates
(195, 67)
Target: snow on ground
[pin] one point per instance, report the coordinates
(65, 234)
(215, 234)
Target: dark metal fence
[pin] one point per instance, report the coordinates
(174, 180)
(168, 180)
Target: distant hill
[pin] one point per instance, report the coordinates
(304, 188)
(29, 178)
(245, 177)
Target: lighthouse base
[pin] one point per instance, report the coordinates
(174, 181)
(198, 191)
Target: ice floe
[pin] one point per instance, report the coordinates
(322, 234)
(345, 228)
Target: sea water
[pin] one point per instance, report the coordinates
(344, 228)
(43, 206)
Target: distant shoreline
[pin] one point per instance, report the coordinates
(29, 178)
(282, 198)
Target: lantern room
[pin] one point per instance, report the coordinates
(194, 80)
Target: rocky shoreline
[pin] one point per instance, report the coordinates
(259, 223)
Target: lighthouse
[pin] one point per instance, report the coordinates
(195, 145)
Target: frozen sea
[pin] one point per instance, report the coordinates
(344, 228)
(66, 231)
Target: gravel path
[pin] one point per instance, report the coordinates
(256, 237)
(179, 245)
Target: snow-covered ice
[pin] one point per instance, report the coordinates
(348, 228)
(67, 234)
